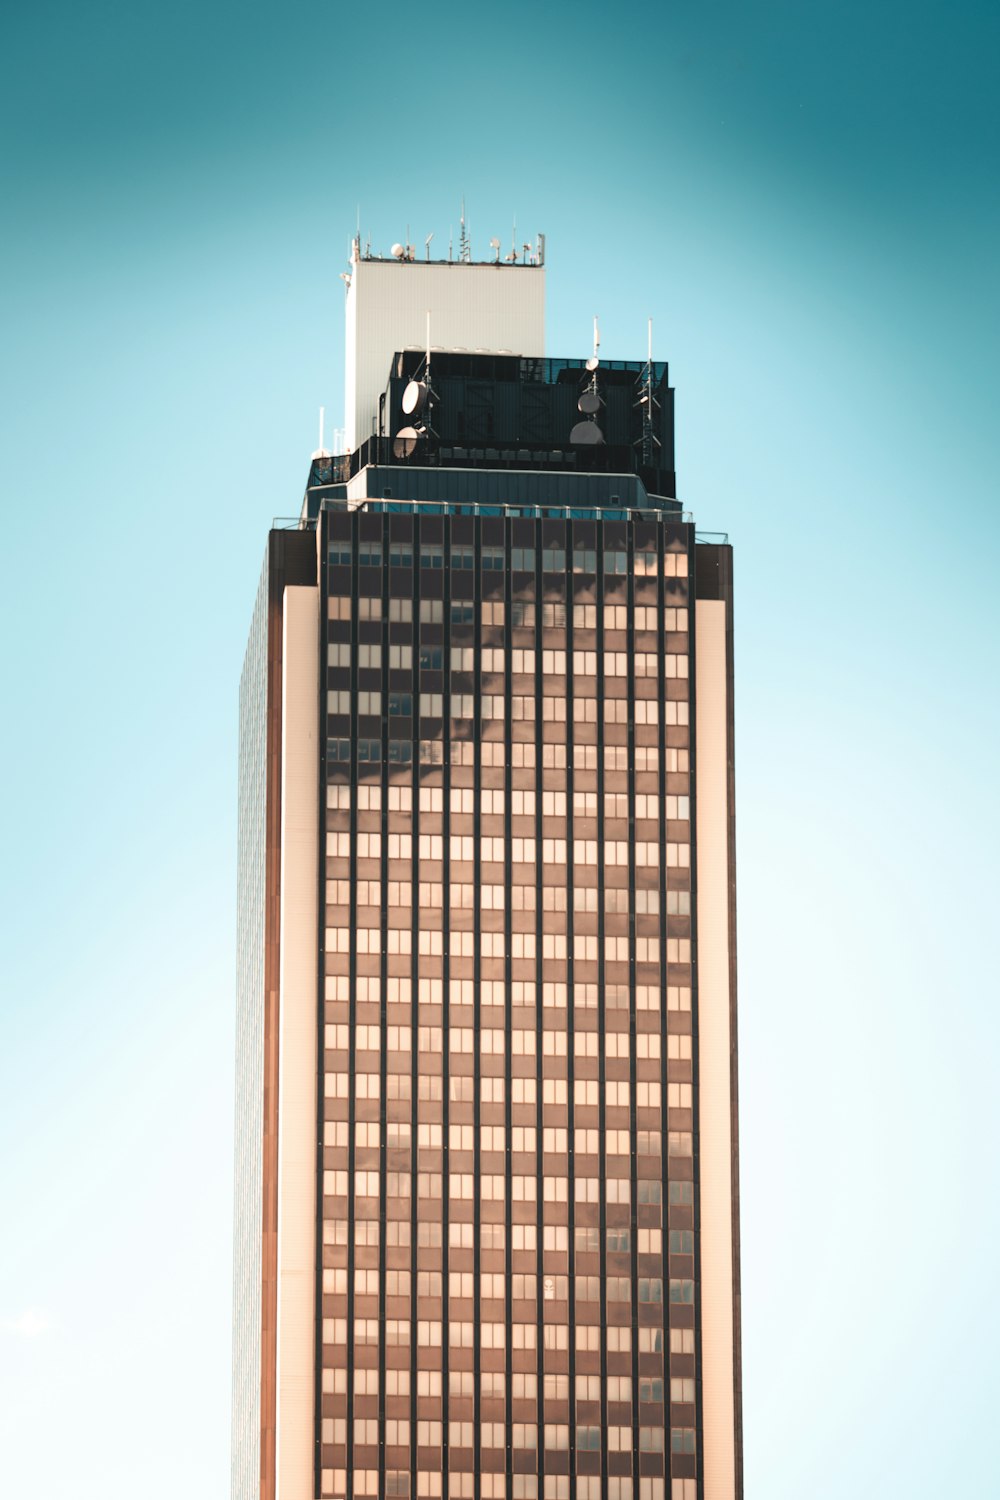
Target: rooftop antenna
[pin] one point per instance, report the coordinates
(647, 403)
(321, 451)
(464, 247)
(427, 245)
(495, 245)
(418, 397)
(594, 360)
(587, 434)
(451, 240)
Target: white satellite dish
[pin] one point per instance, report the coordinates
(414, 397)
(593, 363)
(398, 251)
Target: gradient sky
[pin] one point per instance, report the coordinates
(804, 199)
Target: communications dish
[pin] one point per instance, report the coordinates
(414, 398)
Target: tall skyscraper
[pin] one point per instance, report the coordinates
(486, 1182)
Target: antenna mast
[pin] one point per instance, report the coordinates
(464, 247)
(647, 402)
(321, 452)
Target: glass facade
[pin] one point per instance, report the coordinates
(507, 1301)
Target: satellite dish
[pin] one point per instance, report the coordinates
(405, 442)
(398, 251)
(589, 403)
(584, 435)
(494, 244)
(414, 398)
(592, 363)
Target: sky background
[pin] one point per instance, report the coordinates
(804, 199)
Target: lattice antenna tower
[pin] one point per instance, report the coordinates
(647, 402)
(464, 245)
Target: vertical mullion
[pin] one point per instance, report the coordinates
(414, 978)
(539, 1028)
(633, 1027)
(353, 1011)
(570, 996)
(445, 993)
(477, 740)
(383, 1112)
(601, 1016)
(508, 878)
(323, 579)
(693, 920)
(664, 1010)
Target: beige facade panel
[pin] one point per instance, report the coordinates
(300, 822)
(475, 307)
(715, 1054)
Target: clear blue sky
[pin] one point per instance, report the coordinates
(804, 198)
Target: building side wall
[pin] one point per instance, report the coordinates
(247, 1269)
(297, 1049)
(291, 557)
(472, 307)
(716, 1044)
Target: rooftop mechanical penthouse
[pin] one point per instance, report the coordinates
(487, 1174)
